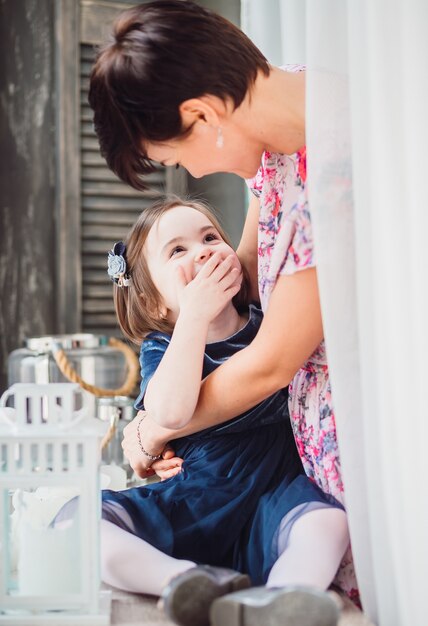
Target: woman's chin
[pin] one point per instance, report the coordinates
(242, 173)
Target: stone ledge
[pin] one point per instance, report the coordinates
(130, 609)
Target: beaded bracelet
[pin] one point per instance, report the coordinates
(152, 457)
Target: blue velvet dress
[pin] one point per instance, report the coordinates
(238, 479)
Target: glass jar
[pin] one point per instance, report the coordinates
(90, 356)
(118, 411)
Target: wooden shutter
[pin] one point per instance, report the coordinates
(94, 209)
(108, 210)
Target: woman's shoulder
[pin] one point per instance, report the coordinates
(279, 169)
(293, 67)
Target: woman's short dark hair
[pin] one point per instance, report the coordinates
(161, 54)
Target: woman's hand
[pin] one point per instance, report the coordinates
(153, 438)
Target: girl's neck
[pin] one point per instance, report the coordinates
(274, 111)
(226, 324)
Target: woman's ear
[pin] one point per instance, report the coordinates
(208, 109)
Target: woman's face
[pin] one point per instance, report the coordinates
(200, 155)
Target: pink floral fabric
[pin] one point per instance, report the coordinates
(285, 246)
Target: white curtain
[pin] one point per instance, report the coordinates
(367, 110)
(277, 27)
(331, 196)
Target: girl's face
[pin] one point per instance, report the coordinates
(182, 236)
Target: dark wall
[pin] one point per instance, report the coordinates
(27, 174)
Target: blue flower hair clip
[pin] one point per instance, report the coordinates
(117, 269)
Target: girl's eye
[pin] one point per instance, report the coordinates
(211, 237)
(176, 250)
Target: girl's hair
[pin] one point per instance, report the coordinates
(137, 305)
(161, 54)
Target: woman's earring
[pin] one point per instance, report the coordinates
(220, 139)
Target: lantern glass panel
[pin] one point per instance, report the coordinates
(42, 558)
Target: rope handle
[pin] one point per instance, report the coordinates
(114, 421)
(125, 390)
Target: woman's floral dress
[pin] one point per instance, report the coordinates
(285, 246)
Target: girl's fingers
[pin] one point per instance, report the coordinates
(209, 267)
(231, 282)
(223, 268)
(167, 464)
(231, 277)
(233, 290)
(170, 473)
(168, 453)
(221, 272)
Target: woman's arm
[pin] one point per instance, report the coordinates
(247, 249)
(290, 332)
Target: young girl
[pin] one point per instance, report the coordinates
(242, 499)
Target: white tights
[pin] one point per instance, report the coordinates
(132, 564)
(314, 549)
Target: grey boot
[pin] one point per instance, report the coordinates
(290, 606)
(188, 597)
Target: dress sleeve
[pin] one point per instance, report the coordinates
(299, 254)
(255, 185)
(151, 353)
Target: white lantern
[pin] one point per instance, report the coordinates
(49, 452)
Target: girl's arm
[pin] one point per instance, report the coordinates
(290, 332)
(247, 249)
(172, 393)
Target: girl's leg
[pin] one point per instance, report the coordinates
(313, 551)
(131, 564)
(127, 562)
(311, 547)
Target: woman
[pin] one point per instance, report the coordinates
(181, 85)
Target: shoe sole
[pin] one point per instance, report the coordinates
(189, 599)
(284, 607)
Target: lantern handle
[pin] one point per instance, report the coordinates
(5, 396)
(7, 415)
